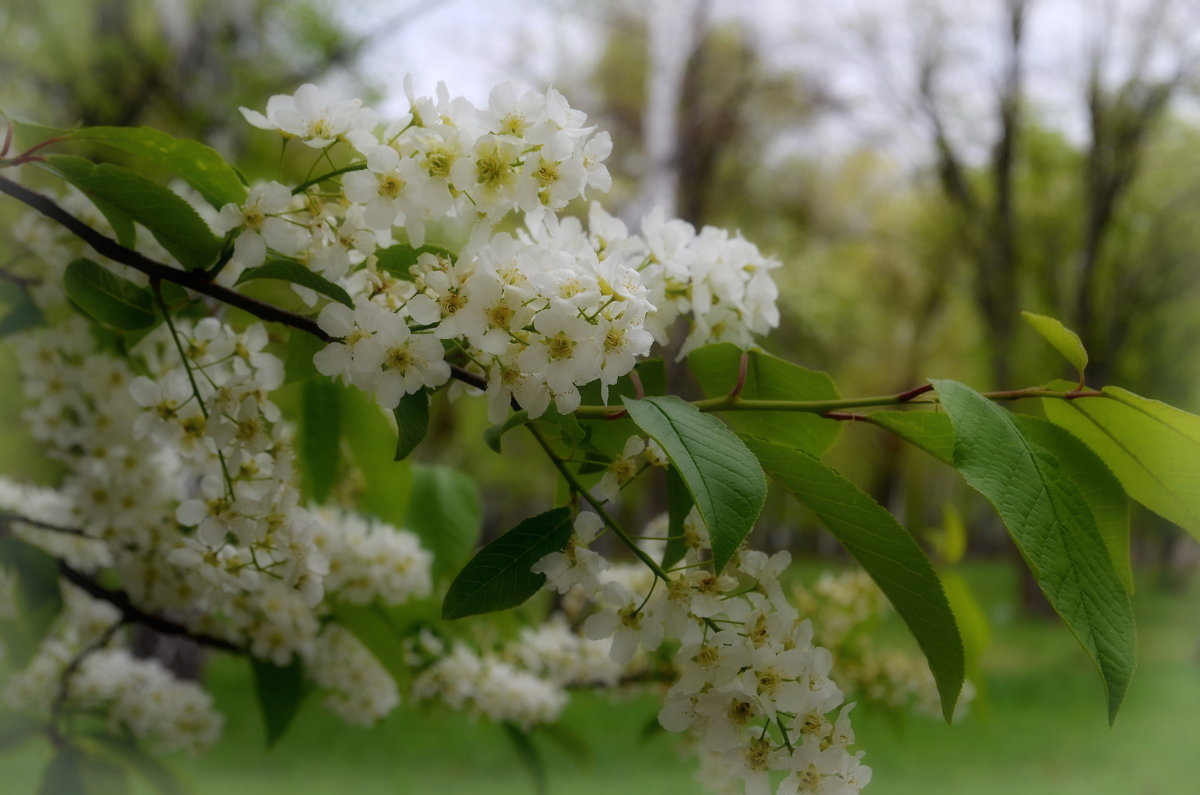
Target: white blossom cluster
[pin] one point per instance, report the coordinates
(487, 685)
(752, 688)
(539, 312)
(358, 689)
(138, 695)
(849, 603)
(372, 561)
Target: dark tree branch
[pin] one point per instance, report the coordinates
(197, 281)
(132, 614)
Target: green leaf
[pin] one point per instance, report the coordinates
(22, 312)
(446, 514)
(679, 505)
(108, 298)
(38, 597)
(528, 755)
(370, 439)
(398, 259)
(769, 378)
(1064, 340)
(928, 430)
(320, 436)
(1096, 483)
(722, 476)
(298, 362)
(975, 630)
(196, 164)
(492, 436)
(1052, 525)
(280, 691)
(499, 575)
(374, 630)
(412, 422)
(294, 272)
(1151, 448)
(884, 549)
(172, 221)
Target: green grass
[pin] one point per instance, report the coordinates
(1043, 730)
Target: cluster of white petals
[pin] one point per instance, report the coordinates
(752, 688)
(849, 603)
(539, 312)
(140, 696)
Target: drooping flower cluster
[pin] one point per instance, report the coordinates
(752, 687)
(140, 696)
(848, 603)
(538, 313)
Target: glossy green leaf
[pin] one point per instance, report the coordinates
(768, 378)
(446, 513)
(279, 689)
(399, 258)
(1064, 340)
(167, 216)
(320, 437)
(723, 477)
(295, 273)
(412, 422)
(928, 430)
(884, 549)
(499, 576)
(370, 439)
(1052, 525)
(108, 298)
(195, 163)
(1151, 448)
(374, 630)
(1097, 484)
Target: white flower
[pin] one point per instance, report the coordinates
(312, 116)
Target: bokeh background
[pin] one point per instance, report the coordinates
(924, 171)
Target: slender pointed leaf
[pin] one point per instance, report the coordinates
(1064, 340)
(884, 549)
(294, 272)
(1052, 525)
(320, 437)
(928, 430)
(446, 513)
(723, 477)
(167, 216)
(195, 163)
(280, 689)
(499, 576)
(1097, 484)
(107, 297)
(412, 422)
(399, 259)
(1152, 448)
